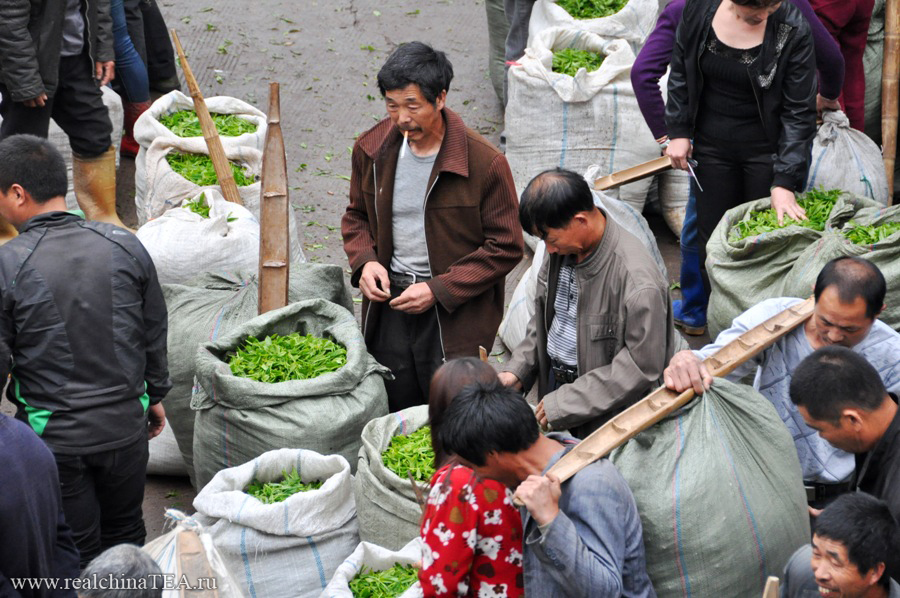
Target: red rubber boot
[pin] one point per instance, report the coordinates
(129, 147)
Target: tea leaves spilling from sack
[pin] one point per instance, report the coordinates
(279, 358)
(569, 60)
(411, 453)
(869, 234)
(185, 123)
(199, 169)
(272, 492)
(817, 203)
(591, 9)
(383, 584)
(198, 205)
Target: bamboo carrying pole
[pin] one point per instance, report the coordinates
(210, 134)
(194, 566)
(889, 89)
(635, 173)
(274, 239)
(771, 589)
(662, 402)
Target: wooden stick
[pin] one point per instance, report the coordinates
(210, 134)
(635, 173)
(771, 589)
(420, 497)
(662, 402)
(890, 72)
(274, 212)
(482, 354)
(194, 566)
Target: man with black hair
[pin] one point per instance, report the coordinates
(430, 231)
(854, 552)
(602, 329)
(849, 294)
(582, 537)
(841, 396)
(83, 315)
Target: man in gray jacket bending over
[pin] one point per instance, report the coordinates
(602, 330)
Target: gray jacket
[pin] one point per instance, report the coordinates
(625, 334)
(30, 39)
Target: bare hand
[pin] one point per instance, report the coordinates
(156, 420)
(38, 102)
(104, 72)
(813, 512)
(540, 495)
(680, 150)
(415, 299)
(785, 204)
(687, 371)
(374, 282)
(823, 104)
(541, 416)
(510, 379)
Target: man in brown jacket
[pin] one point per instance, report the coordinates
(602, 331)
(431, 229)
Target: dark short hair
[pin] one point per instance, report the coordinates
(757, 3)
(866, 528)
(446, 384)
(834, 378)
(35, 164)
(415, 62)
(854, 277)
(552, 199)
(485, 418)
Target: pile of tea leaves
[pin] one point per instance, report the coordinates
(185, 123)
(869, 234)
(383, 584)
(411, 454)
(816, 202)
(294, 356)
(591, 9)
(273, 492)
(569, 60)
(198, 169)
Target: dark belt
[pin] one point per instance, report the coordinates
(562, 373)
(404, 280)
(818, 491)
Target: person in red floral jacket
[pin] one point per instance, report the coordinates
(471, 530)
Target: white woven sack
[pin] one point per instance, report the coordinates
(165, 457)
(633, 23)
(291, 548)
(164, 550)
(674, 191)
(844, 158)
(183, 243)
(555, 120)
(168, 189)
(375, 558)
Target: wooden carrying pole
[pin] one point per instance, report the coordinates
(210, 134)
(662, 402)
(274, 239)
(890, 74)
(635, 173)
(771, 589)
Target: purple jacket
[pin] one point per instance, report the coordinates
(654, 57)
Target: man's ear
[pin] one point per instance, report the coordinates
(874, 574)
(440, 100)
(853, 417)
(19, 194)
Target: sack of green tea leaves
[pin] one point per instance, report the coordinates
(370, 559)
(720, 492)
(871, 233)
(748, 256)
(846, 159)
(630, 20)
(239, 418)
(212, 305)
(386, 502)
(588, 117)
(205, 234)
(282, 522)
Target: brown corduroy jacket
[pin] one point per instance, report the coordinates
(472, 229)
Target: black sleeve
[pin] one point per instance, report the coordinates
(678, 112)
(156, 319)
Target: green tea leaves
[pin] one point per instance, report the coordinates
(279, 358)
(272, 492)
(185, 123)
(569, 60)
(816, 202)
(198, 169)
(591, 9)
(383, 584)
(871, 234)
(411, 453)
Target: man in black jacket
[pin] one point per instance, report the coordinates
(83, 314)
(54, 56)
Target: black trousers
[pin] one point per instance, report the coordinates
(410, 345)
(730, 174)
(155, 45)
(102, 496)
(77, 107)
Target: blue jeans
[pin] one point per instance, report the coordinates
(130, 69)
(694, 297)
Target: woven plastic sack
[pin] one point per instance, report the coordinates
(165, 551)
(885, 254)
(553, 119)
(873, 61)
(389, 514)
(633, 23)
(165, 457)
(674, 191)
(214, 304)
(720, 492)
(846, 159)
(289, 548)
(374, 558)
(744, 272)
(237, 419)
(183, 243)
